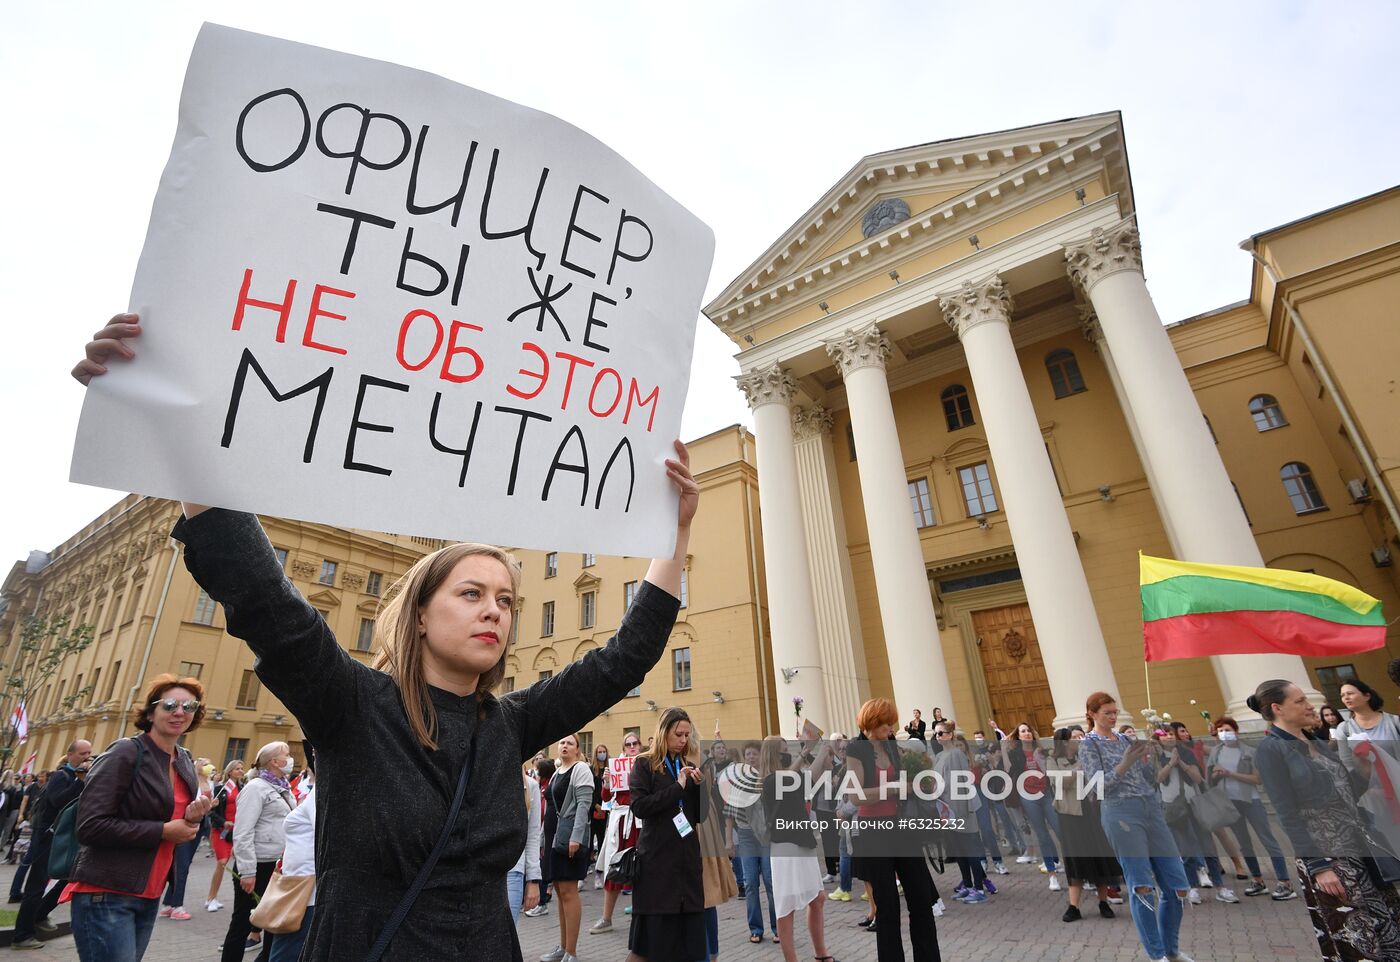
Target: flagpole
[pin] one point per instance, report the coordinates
(1147, 678)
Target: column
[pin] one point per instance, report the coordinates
(1205, 514)
(917, 671)
(833, 588)
(798, 670)
(1066, 625)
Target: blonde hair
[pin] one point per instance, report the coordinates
(669, 719)
(401, 643)
(268, 752)
(236, 763)
(770, 756)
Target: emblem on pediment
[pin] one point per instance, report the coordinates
(883, 215)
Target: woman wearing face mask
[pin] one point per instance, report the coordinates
(1349, 891)
(416, 825)
(1231, 763)
(259, 837)
(622, 833)
(598, 824)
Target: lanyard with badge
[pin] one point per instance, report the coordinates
(683, 827)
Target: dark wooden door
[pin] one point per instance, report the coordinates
(1013, 669)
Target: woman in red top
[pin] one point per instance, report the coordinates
(622, 833)
(140, 801)
(221, 841)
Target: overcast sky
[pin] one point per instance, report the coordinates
(1238, 117)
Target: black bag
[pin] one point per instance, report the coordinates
(623, 869)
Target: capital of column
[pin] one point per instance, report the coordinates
(767, 385)
(1107, 251)
(858, 348)
(1089, 322)
(974, 304)
(809, 422)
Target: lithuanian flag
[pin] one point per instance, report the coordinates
(1193, 610)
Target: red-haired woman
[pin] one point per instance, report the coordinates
(422, 734)
(141, 800)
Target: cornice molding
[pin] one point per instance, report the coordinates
(975, 303)
(1108, 251)
(859, 348)
(767, 385)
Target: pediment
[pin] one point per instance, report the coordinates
(939, 182)
(324, 599)
(586, 581)
(368, 608)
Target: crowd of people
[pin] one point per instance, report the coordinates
(434, 842)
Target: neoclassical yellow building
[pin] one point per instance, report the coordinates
(969, 418)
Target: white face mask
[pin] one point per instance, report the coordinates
(979, 739)
(1226, 735)
(286, 767)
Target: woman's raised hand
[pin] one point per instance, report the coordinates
(108, 343)
(678, 470)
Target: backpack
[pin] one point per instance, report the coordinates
(63, 851)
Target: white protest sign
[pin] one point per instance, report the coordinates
(620, 773)
(375, 298)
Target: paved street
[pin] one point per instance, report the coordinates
(1023, 922)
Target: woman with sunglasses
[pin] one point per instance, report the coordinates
(140, 801)
(397, 743)
(259, 836)
(622, 833)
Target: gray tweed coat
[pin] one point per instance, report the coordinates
(383, 798)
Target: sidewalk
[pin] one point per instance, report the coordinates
(1021, 923)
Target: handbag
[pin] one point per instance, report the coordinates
(1213, 809)
(623, 869)
(283, 904)
(401, 911)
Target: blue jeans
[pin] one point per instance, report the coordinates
(844, 883)
(180, 873)
(737, 864)
(989, 835)
(515, 894)
(712, 932)
(287, 948)
(112, 928)
(17, 883)
(1197, 848)
(1252, 815)
(1147, 853)
(757, 865)
(1002, 815)
(1040, 812)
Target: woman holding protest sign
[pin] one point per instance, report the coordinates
(421, 809)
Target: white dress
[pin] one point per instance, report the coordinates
(797, 877)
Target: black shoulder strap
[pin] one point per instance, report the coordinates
(406, 903)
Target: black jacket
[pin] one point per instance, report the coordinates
(670, 880)
(63, 786)
(383, 796)
(121, 817)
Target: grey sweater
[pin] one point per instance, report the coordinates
(383, 796)
(578, 805)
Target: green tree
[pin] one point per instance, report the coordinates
(45, 643)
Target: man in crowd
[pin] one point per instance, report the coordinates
(63, 786)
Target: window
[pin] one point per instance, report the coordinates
(635, 732)
(585, 745)
(374, 583)
(587, 609)
(508, 683)
(685, 587)
(680, 669)
(96, 677)
(364, 641)
(204, 609)
(546, 675)
(248, 690)
(112, 680)
(328, 569)
(1302, 491)
(1240, 498)
(191, 669)
(237, 750)
(589, 559)
(551, 564)
(77, 687)
(922, 504)
(977, 489)
(547, 620)
(957, 407)
(851, 439)
(281, 557)
(116, 611)
(1266, 413)
(1330, 682)
(1064, 373)
(629, 591)
(514, 628)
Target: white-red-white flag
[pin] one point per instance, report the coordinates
(28, 767)
(19, 721)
